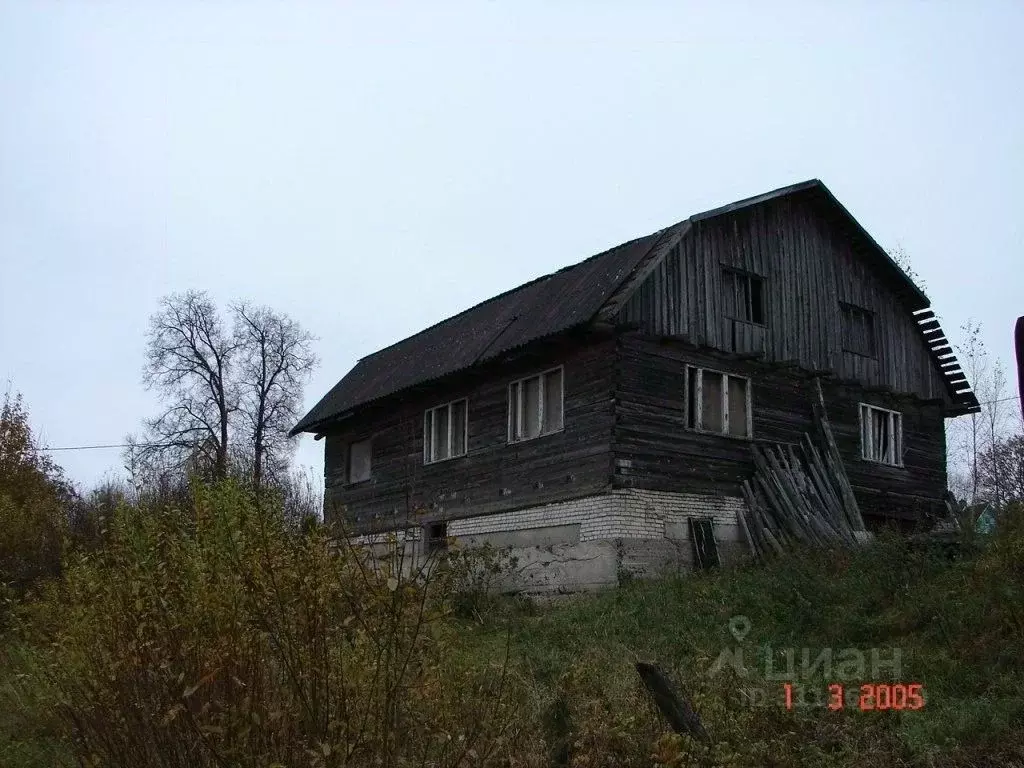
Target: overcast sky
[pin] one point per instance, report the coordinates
(371, 168)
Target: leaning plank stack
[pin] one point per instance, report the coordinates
(800, 495)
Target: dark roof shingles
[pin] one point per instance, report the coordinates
(546, 306)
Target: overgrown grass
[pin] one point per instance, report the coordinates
(957, 625)
(218, 636)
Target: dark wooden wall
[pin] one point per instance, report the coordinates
(653, 449)
(494, 476)
(624, 409)
(809, 265)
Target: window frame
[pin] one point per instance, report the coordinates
(698, 412)
(895, 435)
(428, 434)
(737, 274)
(348, 461)
(516, 386)
(846, 309)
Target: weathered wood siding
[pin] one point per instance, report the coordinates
(809, 265)
(653, 449)
(494, 475)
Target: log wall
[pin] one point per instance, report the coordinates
(494, 476)
(653, 449)
(809, 264)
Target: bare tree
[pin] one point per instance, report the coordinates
(992, 392)
(972, 440)
(188, 362)
(230, 396)
(275, 358)
(1001, 471)
(967, 436)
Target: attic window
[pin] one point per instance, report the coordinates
(444, 431)
(718, 402)
(359, 454)
(858, 330)
(743, 296)
(535, 406)
(881, 435)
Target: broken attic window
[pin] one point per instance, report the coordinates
(858, 330)
(743, 296)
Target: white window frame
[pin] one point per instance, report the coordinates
(516, 387)
(428, 433)
(867, 451)
(348, 461)
(698, 415)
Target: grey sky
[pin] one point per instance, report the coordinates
(372, 168)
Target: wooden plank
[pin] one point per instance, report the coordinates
(835, 461)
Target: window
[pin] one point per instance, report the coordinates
(437, 537)
(881, 435)
(858, 330)
(742, 296)
(717, 402)
(359, 461)
(535, 406)
(444, 431)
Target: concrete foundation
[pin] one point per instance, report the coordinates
(596, 541)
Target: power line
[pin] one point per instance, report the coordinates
(112, 445)
(1001, 400)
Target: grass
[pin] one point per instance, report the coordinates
(958, 626)
(28, 735)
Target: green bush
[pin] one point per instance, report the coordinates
(219, 635)
(213, 632)
(33, 499)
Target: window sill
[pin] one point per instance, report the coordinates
(535, 437)
(747, 438)
(448, 458)
(877, 463)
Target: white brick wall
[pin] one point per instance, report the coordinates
(400, 537)
(627, 529)
(621, 514)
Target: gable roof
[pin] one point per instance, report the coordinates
(549, 305)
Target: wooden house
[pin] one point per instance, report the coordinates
(601, 417)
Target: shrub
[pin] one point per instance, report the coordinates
(33, 494)
(216, 634)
